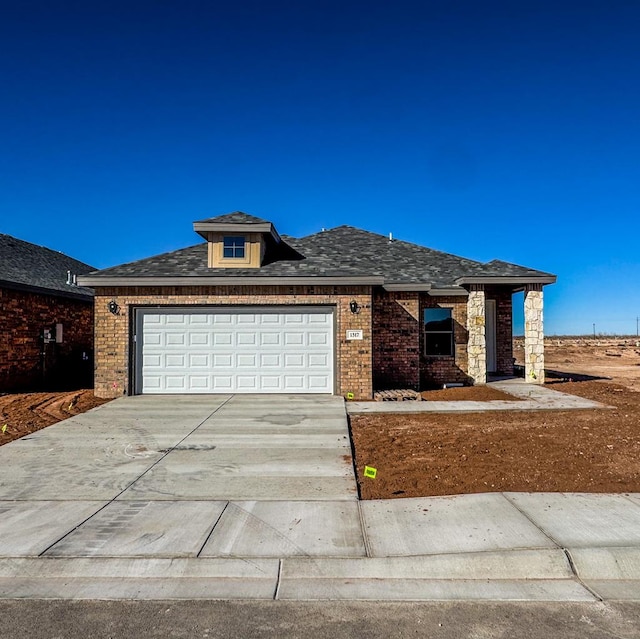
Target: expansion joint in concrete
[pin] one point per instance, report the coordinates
(363, 528)
(276, 592)
(576, 576)
(537, 525)
(212, 529)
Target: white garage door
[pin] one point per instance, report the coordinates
(234, 351)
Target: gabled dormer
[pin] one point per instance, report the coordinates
(237, 240)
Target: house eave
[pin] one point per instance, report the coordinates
(204, 228)
(99, 281)
(398, 286)
(507, 279)
(448, 292)
(41, 290)
(425, 287)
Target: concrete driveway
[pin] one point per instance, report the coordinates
(152, 477)
(188, 448)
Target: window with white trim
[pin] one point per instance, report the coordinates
(438, 332)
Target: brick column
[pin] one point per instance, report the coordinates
(533, 334)
(476, 345)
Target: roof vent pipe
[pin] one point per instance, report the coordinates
(390, 238)
(69, 280)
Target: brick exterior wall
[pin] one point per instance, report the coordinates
(396, 340)
(353, 361)
(437, 370)
(504, 329)
(391, 355)
(25, 361)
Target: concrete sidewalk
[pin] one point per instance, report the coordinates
(507, 547)
(255, 498)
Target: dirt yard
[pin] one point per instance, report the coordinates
(582, 451)
(24, 413)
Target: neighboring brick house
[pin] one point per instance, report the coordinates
(46, 319)
(341, 311)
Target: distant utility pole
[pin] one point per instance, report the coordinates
(594, 329)
(637, 324)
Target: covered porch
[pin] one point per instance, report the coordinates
(490, 330)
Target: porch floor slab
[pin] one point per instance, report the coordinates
(530, 397)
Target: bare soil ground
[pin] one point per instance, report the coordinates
(573, 451)
(25, 413)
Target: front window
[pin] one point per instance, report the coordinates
(233, 246)
(438, 331)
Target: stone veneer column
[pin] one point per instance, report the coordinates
(533, 334)
(477, 344)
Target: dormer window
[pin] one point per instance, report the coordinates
(238, 240)
(233, 247)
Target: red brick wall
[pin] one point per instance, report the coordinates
(438, 370)
(396, 340)
(25, 361)
(504, 331)
(112, 350)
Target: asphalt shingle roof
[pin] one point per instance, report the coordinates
(237, 217)
(26, 265)
(343, 251)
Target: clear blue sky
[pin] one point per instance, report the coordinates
(505, 130)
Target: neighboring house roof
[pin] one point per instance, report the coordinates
(30, 267)
(344, 254)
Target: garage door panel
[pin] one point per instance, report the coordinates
(236, 351)
(270, 339)
(318, 360)
(270, 360)
(175, 339)
(198, 360)
(293, 339)
(174, 360)
(199, 383)
(247, 382)
(246, 360)
(199, 339)
(270, 383)
(294, 382)
(294, 360)
(246, 339)
(176, 383)
(318, 382)
(153, 338)
(317, 338)
(222, 361)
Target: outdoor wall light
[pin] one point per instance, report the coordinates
(354, 307)
(113, 307)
